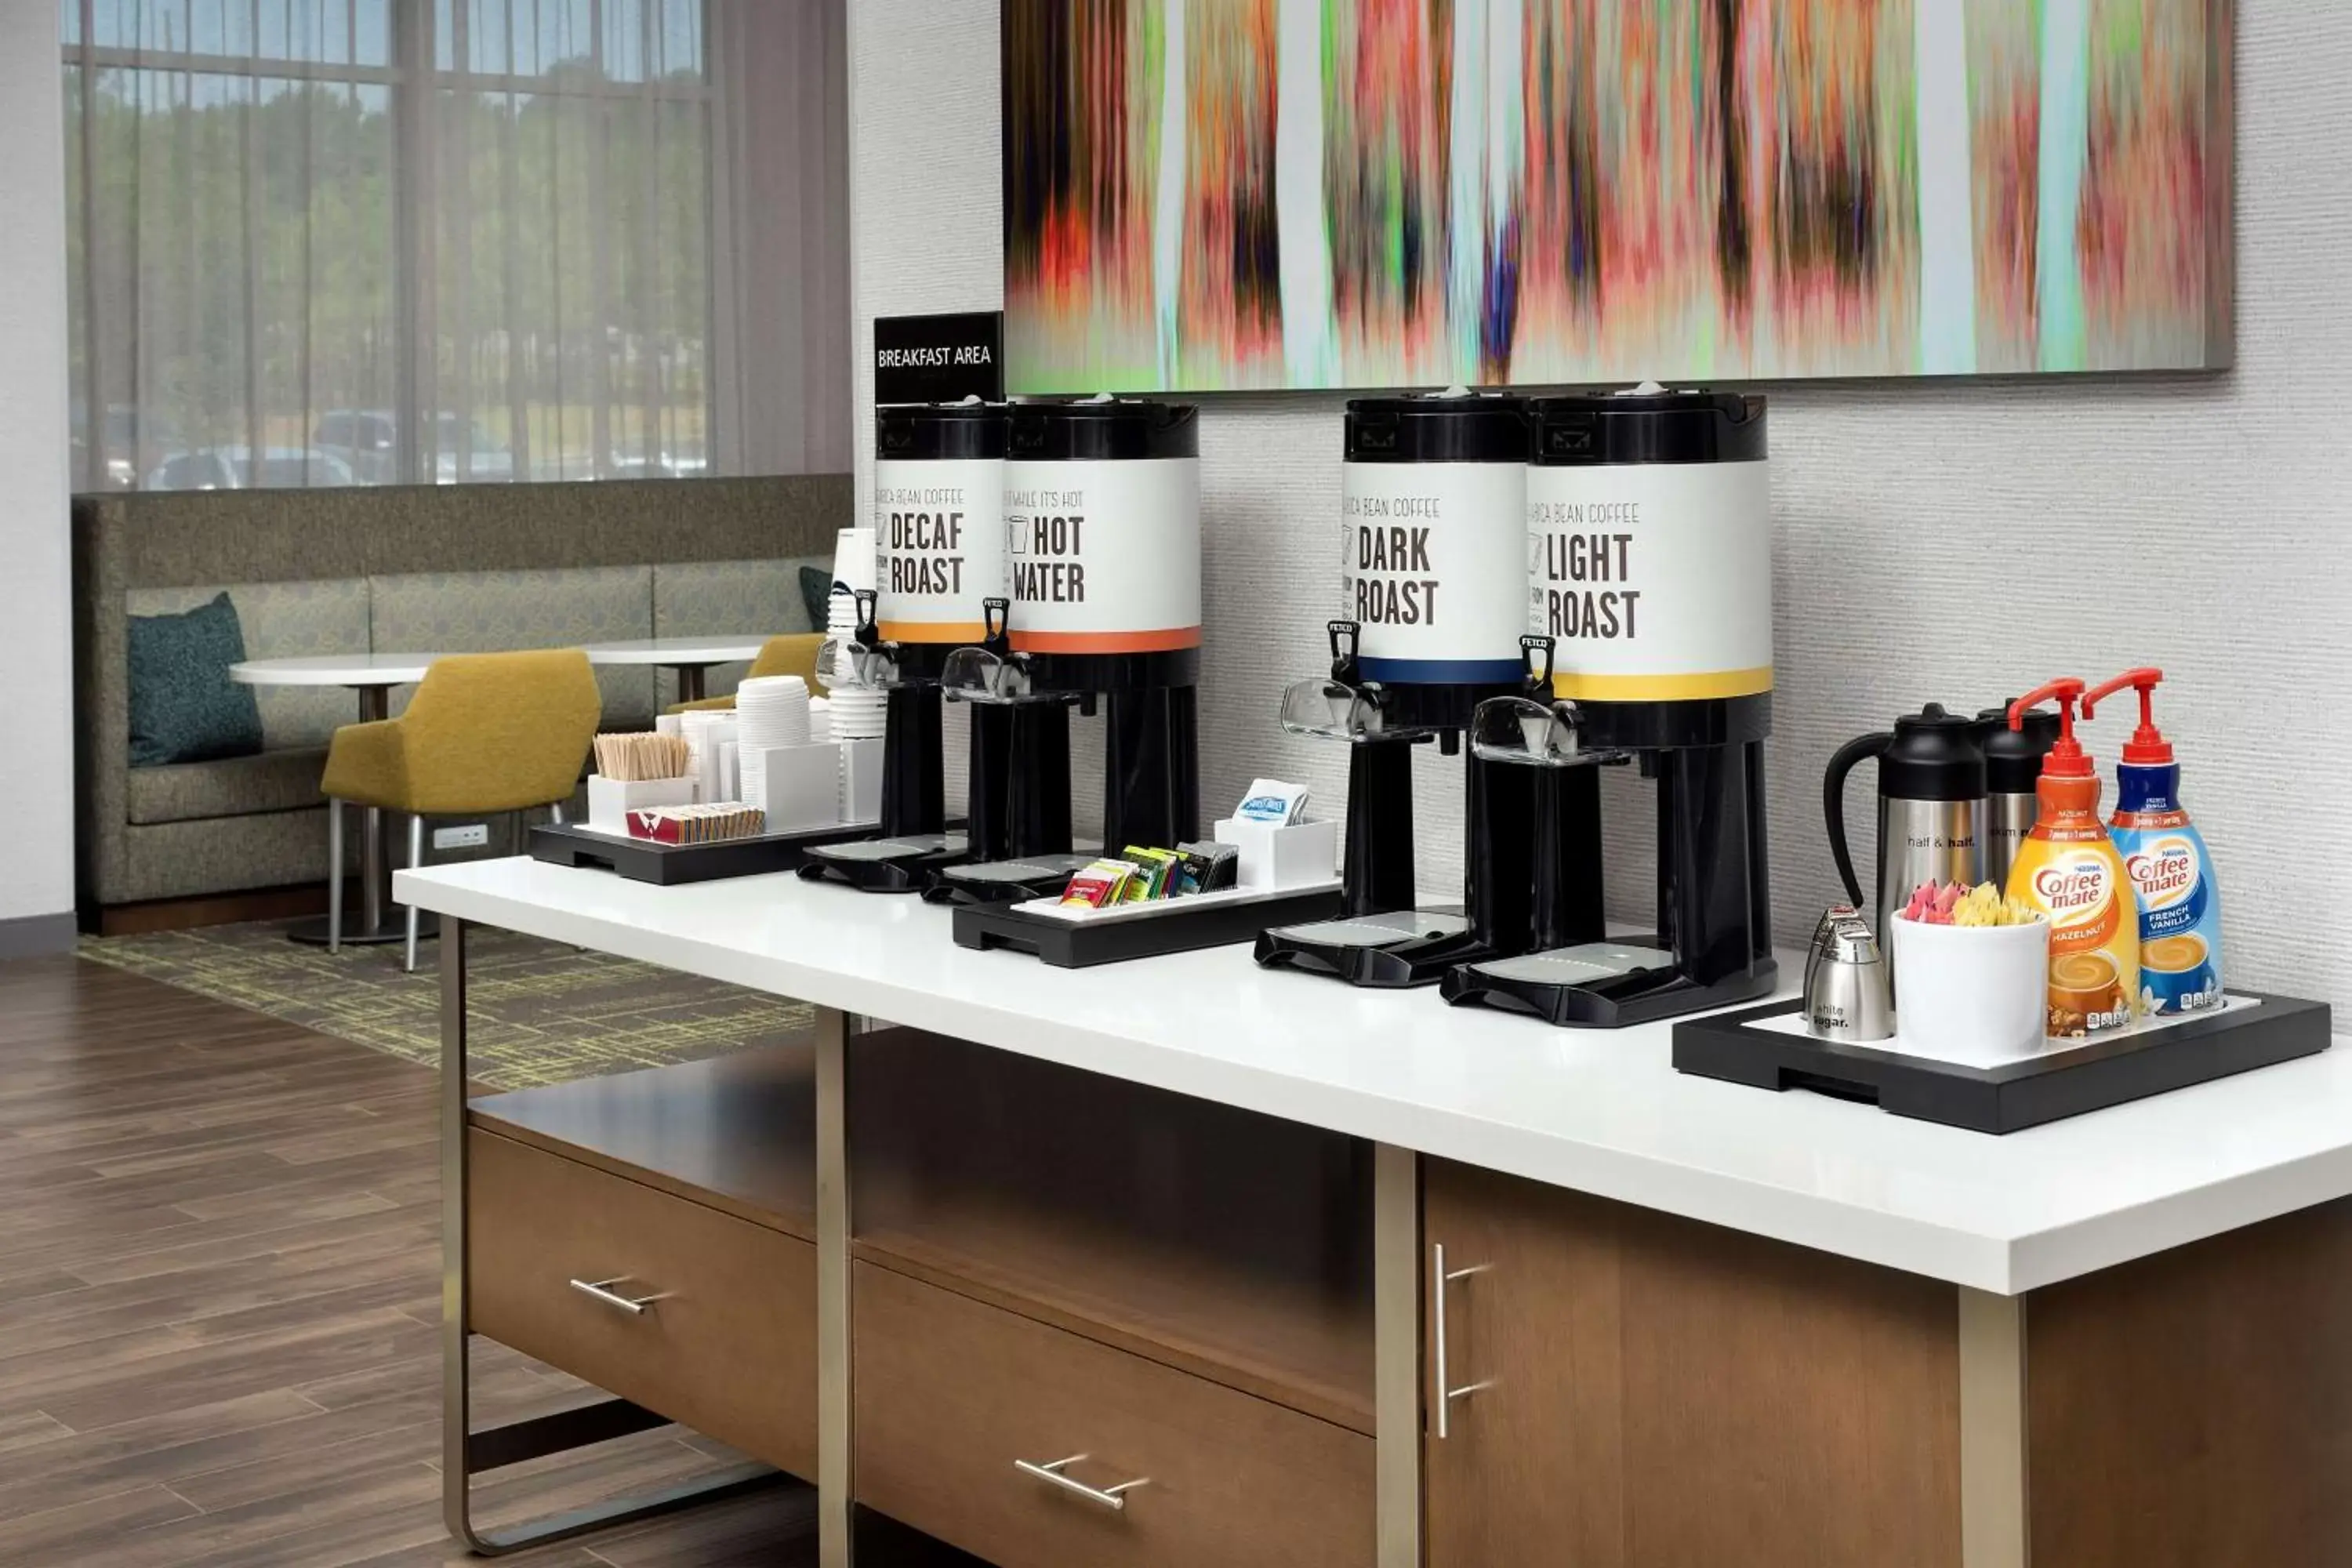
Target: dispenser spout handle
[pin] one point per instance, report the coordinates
(1345, 637)
(2147, 744)
(996, 626)
(1537, 652)
(2066, 758)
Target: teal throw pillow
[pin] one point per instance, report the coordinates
(184, 708)
(816, 587)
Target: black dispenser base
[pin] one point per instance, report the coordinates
(863, 866)
(2059, 1083)
(1324, 947)
(1643, 995)
(1004, 881)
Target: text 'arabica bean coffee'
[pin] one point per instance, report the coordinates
(1432, 567)
(939, 519)
(1649, 545)
(1102, 525)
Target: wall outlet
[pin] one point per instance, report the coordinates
(473, 835)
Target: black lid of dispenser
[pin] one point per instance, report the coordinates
(2013, 757)
(1437, 428)
(1104, 429)
(1687, 426)
(939, 432)
(1933, 756)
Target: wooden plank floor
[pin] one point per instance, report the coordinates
(219, 1307)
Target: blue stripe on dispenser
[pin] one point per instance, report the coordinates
(1442, 672)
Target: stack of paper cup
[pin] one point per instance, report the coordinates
(853, 572)
(770, 711)
(859, 712)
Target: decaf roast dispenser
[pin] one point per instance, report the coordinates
(938, 538)
(1649, 592)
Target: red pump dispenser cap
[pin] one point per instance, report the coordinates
(2066, 758)
(2147, 747)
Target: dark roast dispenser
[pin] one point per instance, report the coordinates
(1434, 573)
(1650, 536)
(1102, 520)
(938, 481)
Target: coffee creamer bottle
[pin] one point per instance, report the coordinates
(2068, 868)
(2172, 877)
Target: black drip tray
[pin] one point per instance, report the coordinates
(2062, 1082)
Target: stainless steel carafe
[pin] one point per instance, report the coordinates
(1849, 988)
(1931, 799)
(2012, 764)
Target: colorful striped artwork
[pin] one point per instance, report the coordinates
(1214, 195)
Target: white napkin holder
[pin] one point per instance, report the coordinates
(1273, 855)
(799, 786)
(610, 801)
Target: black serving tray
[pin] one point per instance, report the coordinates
(670, 864)
(2016, 1095)
(1079, 944)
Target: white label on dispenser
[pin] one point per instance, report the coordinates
(1432, 568)
(1104, 557)
(1654, 580)
(939, 547)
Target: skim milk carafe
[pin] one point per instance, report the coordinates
(2069, 870)
(2171, 875)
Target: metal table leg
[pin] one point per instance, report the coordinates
(466, 1452)
(372, 929)
(689, 682)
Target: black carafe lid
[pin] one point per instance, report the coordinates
(2013, 757)
(1933, 756)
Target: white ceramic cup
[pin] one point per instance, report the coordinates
(1971, 994)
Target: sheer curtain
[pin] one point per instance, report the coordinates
(325, 242)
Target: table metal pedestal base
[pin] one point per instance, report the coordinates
(314, 930)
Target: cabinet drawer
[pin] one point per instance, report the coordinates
(950, 1392)
(728, 1347)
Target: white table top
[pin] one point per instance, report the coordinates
(1602, 1112)
(334, 670)
(677, 650)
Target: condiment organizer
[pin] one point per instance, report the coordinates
(1283, 874)
(1767, 1047)
(610, 801)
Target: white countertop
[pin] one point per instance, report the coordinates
(677, 650)
(1602, 1112)
(334, 670)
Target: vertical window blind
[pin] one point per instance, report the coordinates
(323, 242)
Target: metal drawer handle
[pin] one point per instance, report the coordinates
(1441, 1276)
(1112, 1498)
(602, 1290)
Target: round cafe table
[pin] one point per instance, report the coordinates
(691, 656)
(372, 676)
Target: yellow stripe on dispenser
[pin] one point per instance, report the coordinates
(931, 631)
(1662, 688)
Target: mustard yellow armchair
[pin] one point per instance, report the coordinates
(486, 732)
(795, 653)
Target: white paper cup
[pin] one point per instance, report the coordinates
(1974, 993)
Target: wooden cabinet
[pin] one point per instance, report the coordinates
(1646, 1392)
(953, 1395)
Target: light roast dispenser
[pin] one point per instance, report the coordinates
(1648, 602)
(1102, 522)
(1433, 582)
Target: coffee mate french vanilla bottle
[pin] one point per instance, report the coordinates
(2069, 869)
(2171, 874)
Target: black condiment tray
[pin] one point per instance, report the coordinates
(671, 865)
(2066, 1082)
(1079, 944)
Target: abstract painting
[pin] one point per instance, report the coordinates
(1211, 194)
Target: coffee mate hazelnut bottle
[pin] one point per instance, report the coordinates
(2069, 869)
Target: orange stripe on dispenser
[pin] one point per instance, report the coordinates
(932, 631)
(1165, 641)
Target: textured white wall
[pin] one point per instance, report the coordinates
(36, 742)
(1954, 541)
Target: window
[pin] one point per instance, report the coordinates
(322, 242)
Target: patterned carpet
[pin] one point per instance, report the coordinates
(538, 1012)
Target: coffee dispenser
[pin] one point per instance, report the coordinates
(1650, 604)
(939, 535)
(1931, 793)
(1433, 586)
(1102, 527)
(2012, 766)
